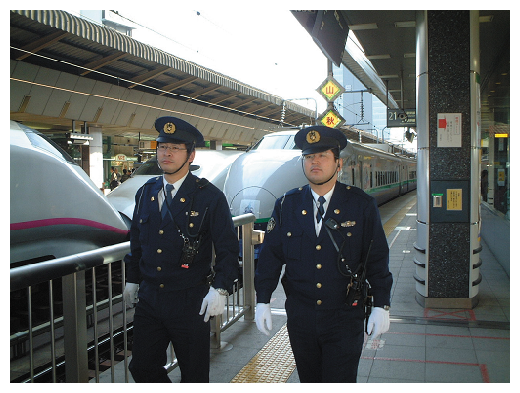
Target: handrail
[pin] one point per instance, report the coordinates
(71, 270)
(29, 275)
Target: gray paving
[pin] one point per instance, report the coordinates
(422, 345)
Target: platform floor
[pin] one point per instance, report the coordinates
(422, 345)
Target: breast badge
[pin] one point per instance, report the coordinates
(348, 224)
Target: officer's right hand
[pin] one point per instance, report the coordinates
(263, 316)
(130, 293)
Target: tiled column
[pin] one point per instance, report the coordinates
(448, 116)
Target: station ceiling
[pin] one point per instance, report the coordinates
(44, 38)
(388, 40)
(62, 42)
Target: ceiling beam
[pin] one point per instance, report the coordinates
(148, 75)
(176, 85)
(42, 43)
(96, 64)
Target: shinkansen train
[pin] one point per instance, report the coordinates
(274, 165)
(56, 209)
(210, 164)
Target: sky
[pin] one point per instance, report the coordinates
(269, 50)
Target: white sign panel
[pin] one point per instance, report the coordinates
(449, 130)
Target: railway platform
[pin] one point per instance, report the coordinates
(422, 345)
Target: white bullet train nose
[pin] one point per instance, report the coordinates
(257, 178)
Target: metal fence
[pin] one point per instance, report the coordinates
(98, 328)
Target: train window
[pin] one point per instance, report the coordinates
(290, 145)
(43, 142)
(148, 168)
(271, 142)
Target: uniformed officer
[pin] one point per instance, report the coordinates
(320, 259)
(177, 218)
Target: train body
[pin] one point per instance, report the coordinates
(210, 164)
(55, 208)
(274, 166)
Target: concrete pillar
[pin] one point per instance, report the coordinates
(448, 127)
(96, 156)
(215, 145)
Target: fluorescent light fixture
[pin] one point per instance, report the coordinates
(378, 57)
(364, 26)
(410, 23)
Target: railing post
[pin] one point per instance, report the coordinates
(248, 270)
(75, 327)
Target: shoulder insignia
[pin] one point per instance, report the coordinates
(152, 180)
(202, 182)
(294, 191)
(271, 224)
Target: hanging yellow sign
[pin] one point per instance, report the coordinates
(332, 119)
(330, 89)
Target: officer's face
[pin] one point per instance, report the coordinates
(320, 166)
(171, 156)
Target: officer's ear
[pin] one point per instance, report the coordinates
(192, 156)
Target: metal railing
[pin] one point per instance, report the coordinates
(103, 323)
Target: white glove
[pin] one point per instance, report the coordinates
(378, 322)
(263, 314)
(130, 293)
(213, 304)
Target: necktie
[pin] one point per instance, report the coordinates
(321, 211)
(168, 201)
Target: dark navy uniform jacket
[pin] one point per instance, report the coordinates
(156, 245)
(311, 272)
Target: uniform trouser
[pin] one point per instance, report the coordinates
(161, 317)
(326, 344)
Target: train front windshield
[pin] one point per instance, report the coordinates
(148, 168)
(42, 141)
(272, 142)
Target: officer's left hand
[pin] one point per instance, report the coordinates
(378, 322)
(213, 304)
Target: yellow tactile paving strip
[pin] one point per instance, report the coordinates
(398, 217)
(273, 363)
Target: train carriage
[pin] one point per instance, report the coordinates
(55, 208)
(274, 165)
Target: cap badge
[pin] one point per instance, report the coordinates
(313, 136)
(169, 128)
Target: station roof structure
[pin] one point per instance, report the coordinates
(385, 61)
(63, 42)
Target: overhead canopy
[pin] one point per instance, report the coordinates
(380, 52)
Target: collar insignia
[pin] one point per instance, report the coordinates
(271, 224)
